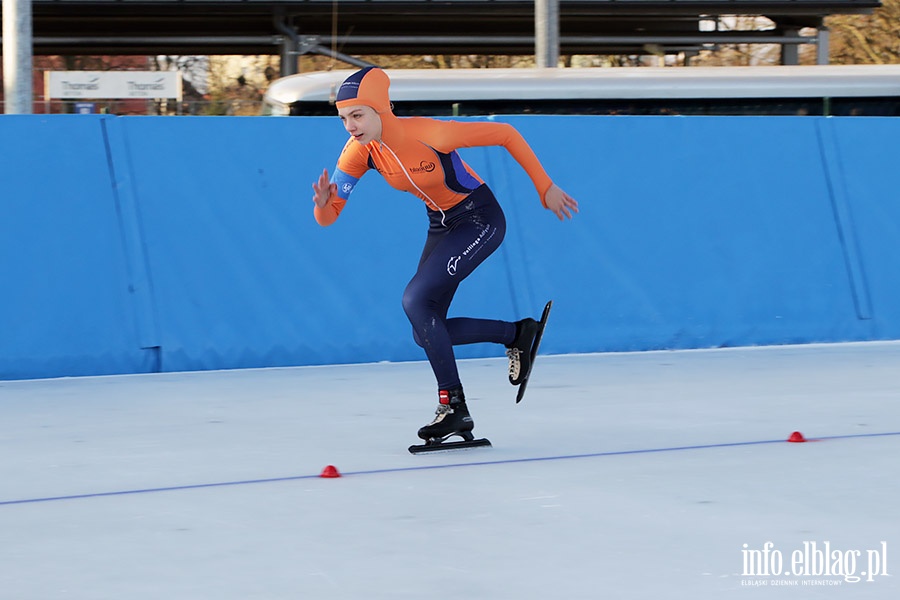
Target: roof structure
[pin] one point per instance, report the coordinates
(359, 27)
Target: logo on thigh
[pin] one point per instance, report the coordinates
(451, 265)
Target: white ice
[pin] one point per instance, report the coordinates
(638, 475)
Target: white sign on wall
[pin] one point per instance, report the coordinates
(113, 84)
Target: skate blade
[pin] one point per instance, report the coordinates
(534, 350)
(438, 446)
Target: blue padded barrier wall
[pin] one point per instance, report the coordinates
(695, 232)
(140, 244)
(65, 306)
(867, 182)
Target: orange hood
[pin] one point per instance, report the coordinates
(368, 87)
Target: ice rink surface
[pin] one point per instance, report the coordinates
(639, 475)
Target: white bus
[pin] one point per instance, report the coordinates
(840, 90)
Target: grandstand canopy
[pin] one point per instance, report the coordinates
(73, 27)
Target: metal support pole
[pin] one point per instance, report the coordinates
(288, 58)
(790, 52)
(546, 33)
(822, 46)
(17, 53)
(289, 45)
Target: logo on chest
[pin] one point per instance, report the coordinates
(426, 166)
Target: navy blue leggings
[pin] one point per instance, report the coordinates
(458, 241)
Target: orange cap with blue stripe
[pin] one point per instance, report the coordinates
(368, 87)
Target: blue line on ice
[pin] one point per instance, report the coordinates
(441, 466)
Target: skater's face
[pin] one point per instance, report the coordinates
(362, 122)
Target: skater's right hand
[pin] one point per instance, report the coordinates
(323, 189)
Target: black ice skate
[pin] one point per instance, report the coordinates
(524, 349)
(451, 418)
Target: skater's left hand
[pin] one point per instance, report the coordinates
(562, 204)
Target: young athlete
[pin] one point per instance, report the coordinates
(466, 224)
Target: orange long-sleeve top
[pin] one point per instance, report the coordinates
(419, 155)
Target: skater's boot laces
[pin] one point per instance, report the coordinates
(515, 362)
(442, 411)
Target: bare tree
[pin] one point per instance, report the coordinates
(867, 39)
(237, 83)
(740, 54)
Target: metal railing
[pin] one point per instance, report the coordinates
(228, 107)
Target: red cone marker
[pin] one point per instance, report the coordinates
(796, 437)
(330, 472)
